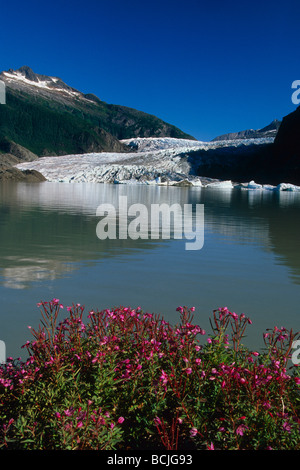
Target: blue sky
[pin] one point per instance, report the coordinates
(206, 67)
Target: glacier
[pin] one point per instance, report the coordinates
(162, 160)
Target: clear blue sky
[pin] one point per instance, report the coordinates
(207, 67)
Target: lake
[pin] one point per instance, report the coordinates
(249, 262)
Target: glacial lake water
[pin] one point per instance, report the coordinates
(249, 262)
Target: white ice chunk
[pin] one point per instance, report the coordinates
(220, 184)
(288, 187)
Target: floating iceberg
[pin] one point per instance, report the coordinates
(288, 187)
(253, 185)
(221, 185)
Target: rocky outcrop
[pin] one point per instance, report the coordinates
(18, 151)
(7, 161)
(14, 174)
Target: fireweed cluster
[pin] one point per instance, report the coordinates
(125, 379)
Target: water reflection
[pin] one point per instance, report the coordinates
(250, 261)
(46, 228)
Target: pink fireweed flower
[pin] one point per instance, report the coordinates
(240, 429)
(121, 420)
(193, 432)
(188, 371)
(286, 426)
(163, 377)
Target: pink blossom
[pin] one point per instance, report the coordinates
(240, 429)
(287, 427)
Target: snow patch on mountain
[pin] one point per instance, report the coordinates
(52, 84)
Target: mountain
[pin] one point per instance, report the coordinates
(286, 151)
(46, 116)
(267, 163)
(268, 131)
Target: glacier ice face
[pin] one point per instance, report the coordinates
(145, 144)
(154, 161)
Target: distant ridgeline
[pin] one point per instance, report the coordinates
(47, 117)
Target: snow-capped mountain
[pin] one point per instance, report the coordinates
(49, 117)
(24, 79)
